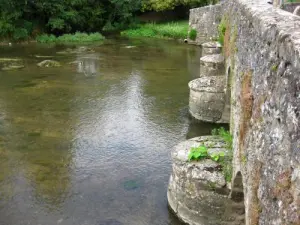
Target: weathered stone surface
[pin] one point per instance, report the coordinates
(49, 63)
(210, 48)
(205, 21)
(207, 98)
(212, 65)
(297, 11)
(197, 190)
(265, 108)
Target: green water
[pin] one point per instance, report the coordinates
(89, 144)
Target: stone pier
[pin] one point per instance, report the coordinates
(208, 101)
(207, 98)
(198, 192)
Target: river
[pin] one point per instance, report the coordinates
(89, 144)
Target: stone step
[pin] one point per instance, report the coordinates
(212, 65)
(207, 98)
(210, 48)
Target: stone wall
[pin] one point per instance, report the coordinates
(262, 50)
(262, 54)
(290, 7)
(205, 21)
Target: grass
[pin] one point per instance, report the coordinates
(77, 37)
(173, 30)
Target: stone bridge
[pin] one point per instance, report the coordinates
(261, 84)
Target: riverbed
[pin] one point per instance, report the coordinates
(88, 143)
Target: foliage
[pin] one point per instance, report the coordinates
(201, 152)
(20, 20)
(221, 30)
(175, 30)
(193, 34)
(77, 37)
(160, 5)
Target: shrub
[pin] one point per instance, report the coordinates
(193, 34)
(20, 34)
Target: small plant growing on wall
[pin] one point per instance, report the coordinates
(193, 34)
(201, 152)
(221, 30)
(225, 134)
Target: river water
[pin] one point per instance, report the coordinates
(89, 143)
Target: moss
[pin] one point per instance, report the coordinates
(222, 28)
(244, 160)
(212, 185)
(274, 68)
(193, 34)
(246, 108)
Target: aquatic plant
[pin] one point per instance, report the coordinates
(77, 37)
(174, 30)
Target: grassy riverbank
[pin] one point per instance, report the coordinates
(77, 37)
(173, 30)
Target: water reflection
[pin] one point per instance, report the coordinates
(88, 65)
(93, 149)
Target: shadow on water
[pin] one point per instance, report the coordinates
(89, 143)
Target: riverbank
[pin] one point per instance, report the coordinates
(171, 30)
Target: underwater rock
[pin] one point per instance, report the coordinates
(49, 63)
(110, 222)
(130, 46)
(3, 60)
(44, 56)
(130, 185)
(11, 64)
(76, 50)
(12, 67)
